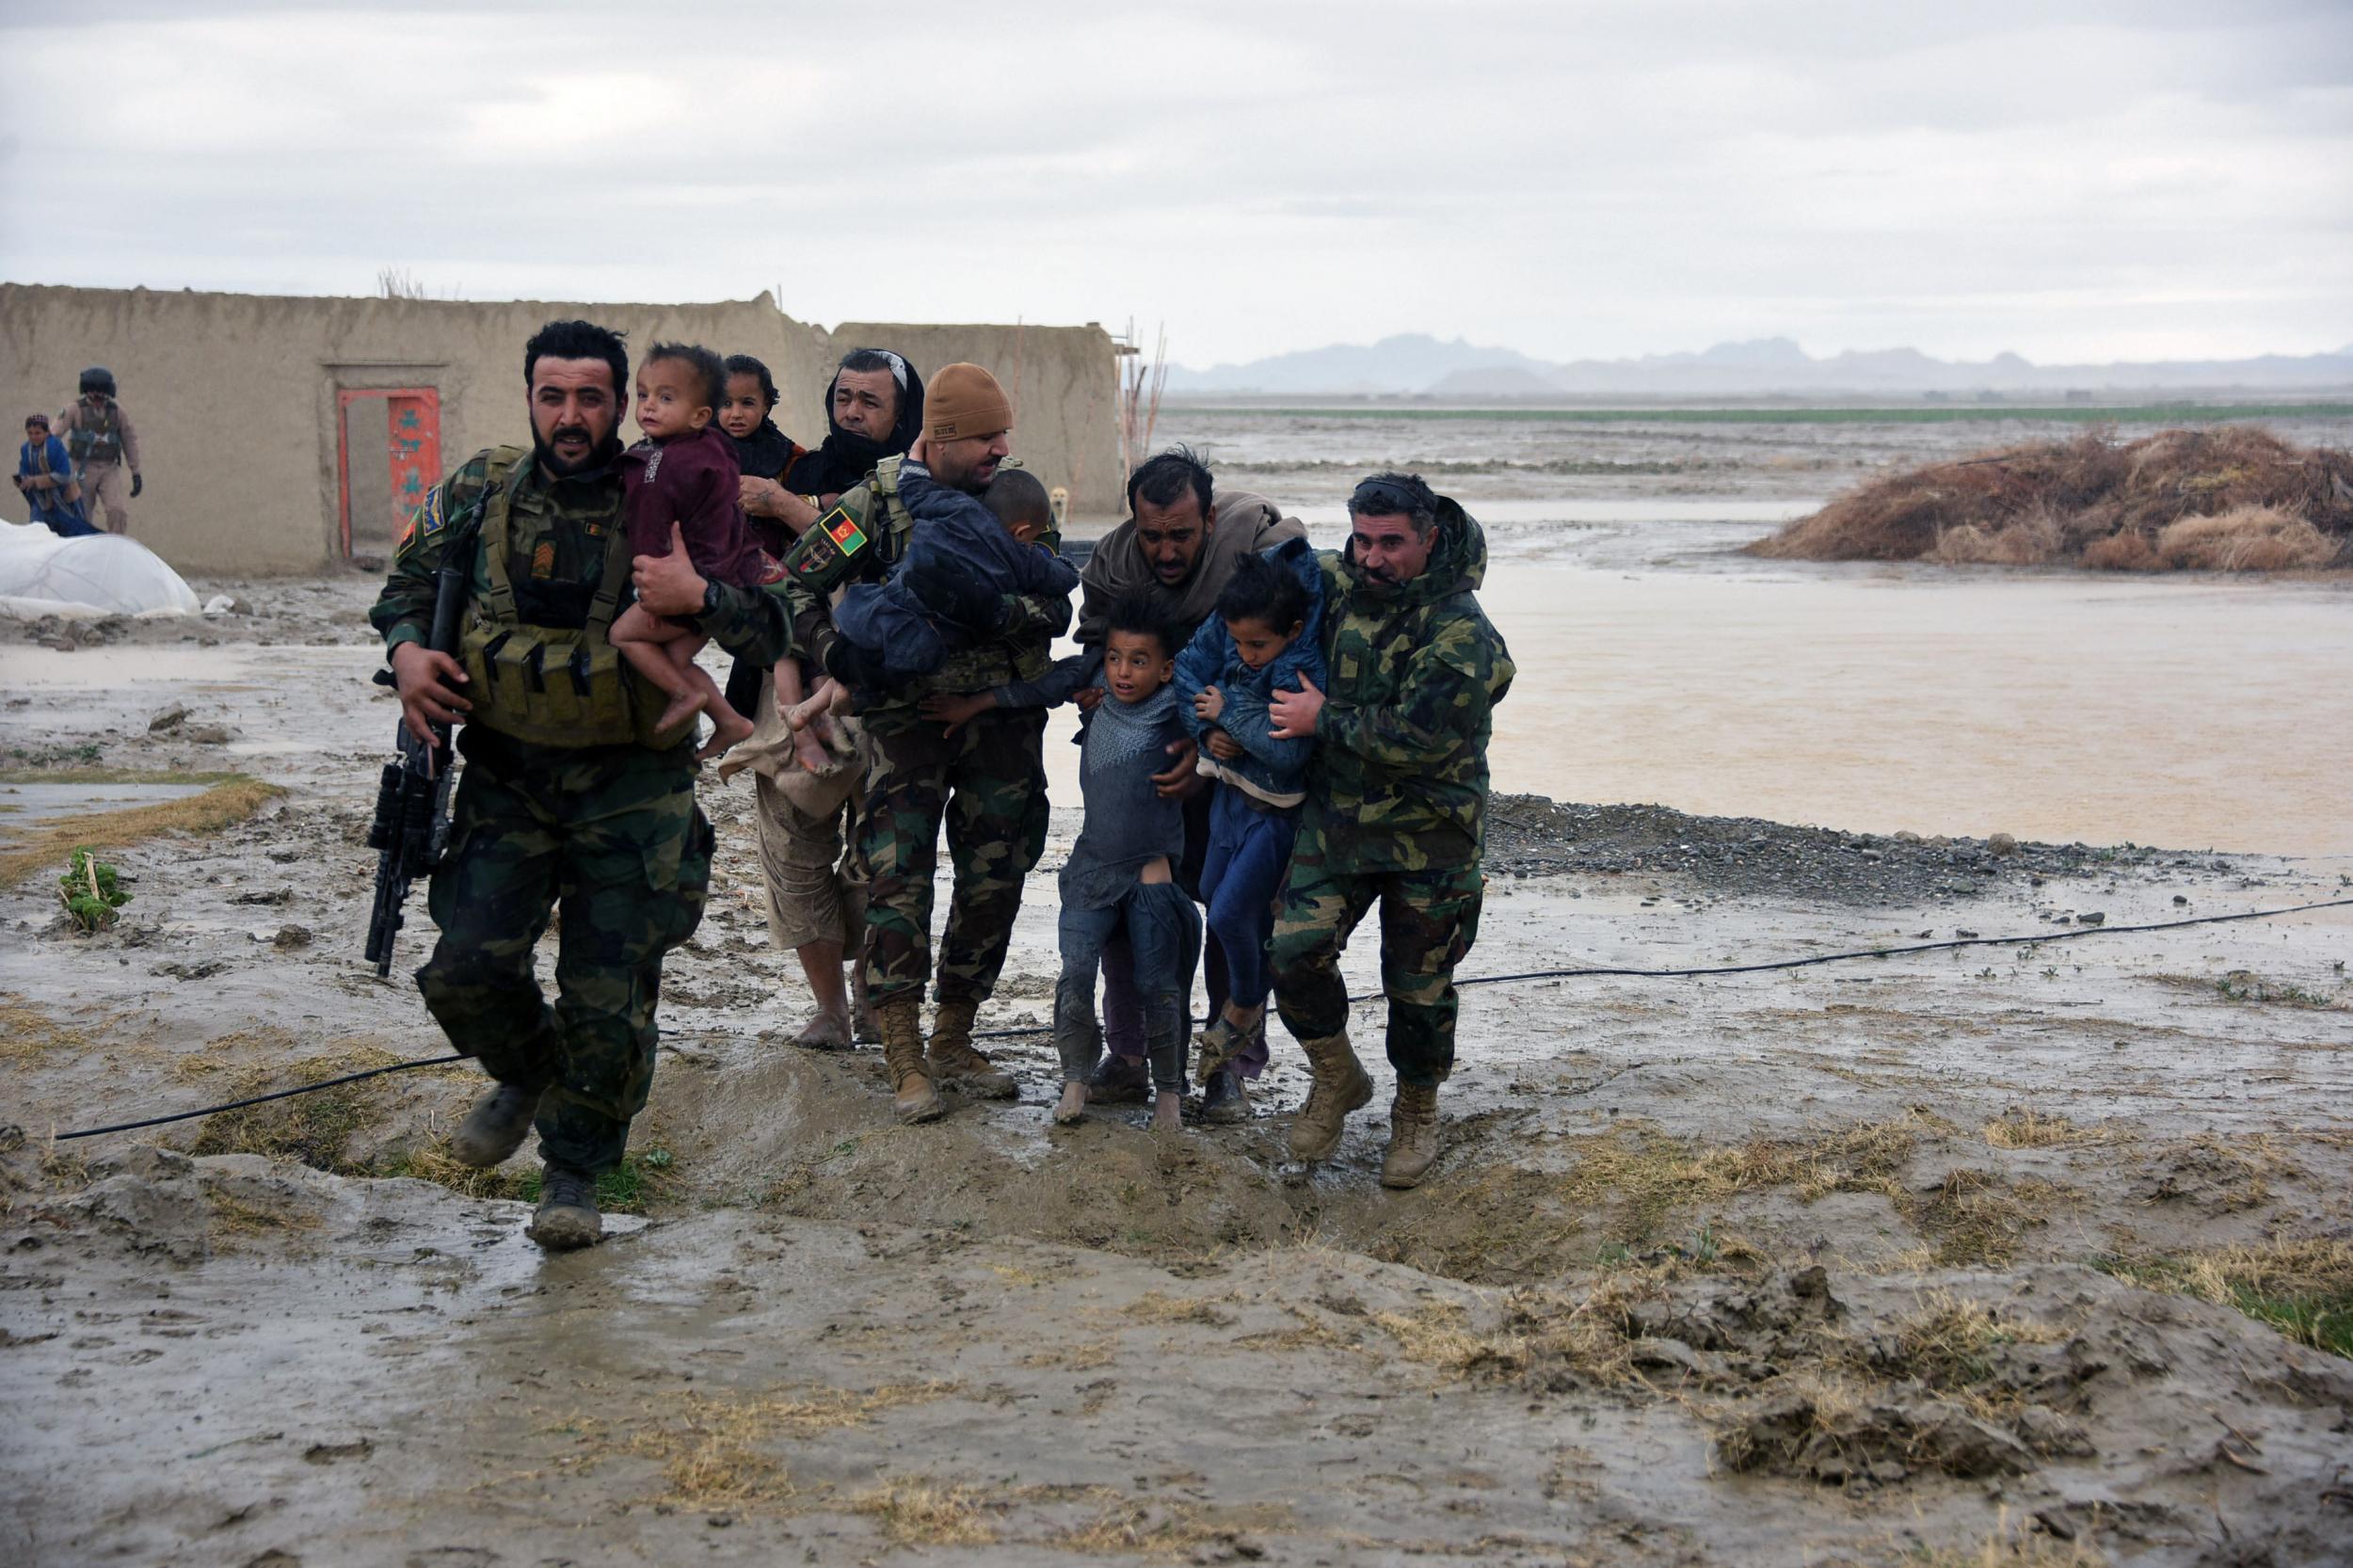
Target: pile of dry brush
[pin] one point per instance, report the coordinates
(2234, 499)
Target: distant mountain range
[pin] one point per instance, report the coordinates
(1417, 364)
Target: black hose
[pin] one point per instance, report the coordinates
(2034, 940)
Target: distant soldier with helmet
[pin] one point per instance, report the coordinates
(99, 436)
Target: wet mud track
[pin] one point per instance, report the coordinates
(1861, 1264)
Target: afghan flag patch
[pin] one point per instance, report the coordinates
(843, 528)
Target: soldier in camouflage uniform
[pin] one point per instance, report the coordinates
(567, 794)
(985, 782)
(1397, 796)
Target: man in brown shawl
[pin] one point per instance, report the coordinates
(1178, 549)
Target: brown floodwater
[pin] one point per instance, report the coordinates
(1656, 665)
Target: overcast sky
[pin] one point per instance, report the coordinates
(2074, 182)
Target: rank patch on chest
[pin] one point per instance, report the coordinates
(543, 559)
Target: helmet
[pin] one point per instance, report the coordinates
(97, 378)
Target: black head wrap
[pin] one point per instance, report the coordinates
(767, 452)
(847, 456)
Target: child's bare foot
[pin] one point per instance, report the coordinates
(728, 728)
(1072, 1108)
(682, 707)
(812, 706)
(1168, 1110)
(810, 747)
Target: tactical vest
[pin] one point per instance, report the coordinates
(552, 686)
(99, 442)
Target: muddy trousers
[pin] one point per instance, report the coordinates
(1123, 1005)
(1429, 920)
(987, 784)
(613, 836)
(1161, 929)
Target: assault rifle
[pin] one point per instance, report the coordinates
(411, 825)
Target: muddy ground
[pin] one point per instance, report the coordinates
(1897, 1261)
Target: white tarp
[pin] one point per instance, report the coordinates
(101, 574)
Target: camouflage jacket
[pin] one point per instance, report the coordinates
(1019, 651)
(557, 534)
(1399, 778)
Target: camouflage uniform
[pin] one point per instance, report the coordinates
(610, 831)
(1397, 795)
(986, 782)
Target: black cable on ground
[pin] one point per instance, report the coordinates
(259, 1099)
(2035, 939)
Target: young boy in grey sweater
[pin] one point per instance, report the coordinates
(1122, 871)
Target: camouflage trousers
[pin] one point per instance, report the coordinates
(1429, 919)
(987, 784)
(612, 834)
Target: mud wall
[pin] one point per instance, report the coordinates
(240, 424)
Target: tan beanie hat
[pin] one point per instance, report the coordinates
(965, 400)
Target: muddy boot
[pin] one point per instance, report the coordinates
(1339, 1087)
(914, 1099)
(955, 1064)
(496, 1126)
(568, 1216)
(865, 1029)
(1413, 1135)
(1223, 1099)
(1120, 1081)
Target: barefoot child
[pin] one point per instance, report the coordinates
(1122, 869)
(1265, 636)
(685, 472)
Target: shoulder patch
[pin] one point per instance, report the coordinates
(426, 521)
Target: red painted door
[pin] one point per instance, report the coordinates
(378, 494)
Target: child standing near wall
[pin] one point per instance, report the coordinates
(1122, 871)
(1265, 636)
(685, 472)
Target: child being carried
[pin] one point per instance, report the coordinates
(685, 474)
(1266, 636)
(964, 556)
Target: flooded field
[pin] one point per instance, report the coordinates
(2037, 1254)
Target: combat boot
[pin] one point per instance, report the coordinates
(1339, 1087)
(566, 1217)
(954, 1062)
(913, 1098)
(496, 1126)
(1413, 1135)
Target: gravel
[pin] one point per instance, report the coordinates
(1531, 835)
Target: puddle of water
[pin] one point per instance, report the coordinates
(30, 805)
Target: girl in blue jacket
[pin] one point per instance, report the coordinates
(1266, 633)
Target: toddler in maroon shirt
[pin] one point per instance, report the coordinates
(685, 472)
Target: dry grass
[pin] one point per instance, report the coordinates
(1975, 1218)
(918, 1513)
(2231, 499)
(2024, 1128)
(714, 1449)
(314, 1128)
(1167, 1528)
(2304, 1288)
(1538, 1336)
(1154, 1306)
(1949, 1345)
(224, 805)
(26, 1031)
